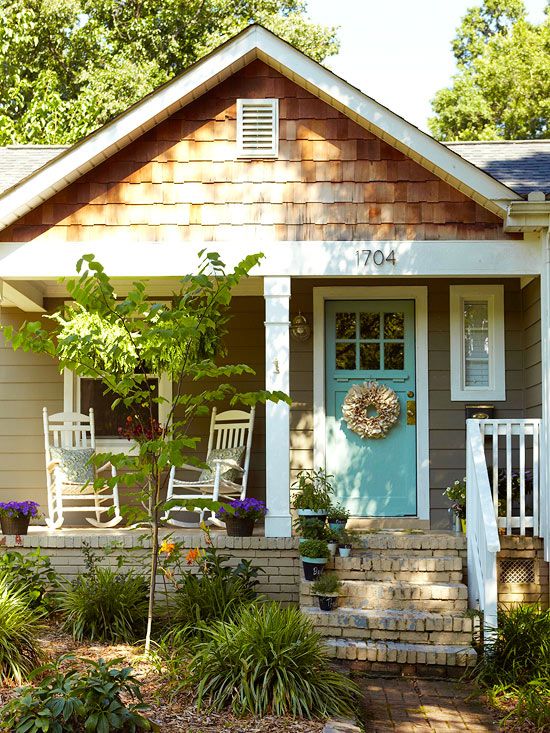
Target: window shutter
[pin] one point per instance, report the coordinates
(257, 128)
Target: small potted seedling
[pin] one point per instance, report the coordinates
(337, 517)
(327, 588)
(313, 492)
(314, 555)
(344, 543)
(333, 540)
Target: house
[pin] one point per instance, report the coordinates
(421, 266)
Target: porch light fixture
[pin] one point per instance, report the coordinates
(300, 330)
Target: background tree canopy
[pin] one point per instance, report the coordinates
(70, 65)
(502, 86)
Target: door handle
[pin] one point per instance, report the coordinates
(411, 412)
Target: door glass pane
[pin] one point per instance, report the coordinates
(345, 356)
(394, 356)
(369, 356)
(476, 343)
(394, 325)
(369, 325)
(345, 325)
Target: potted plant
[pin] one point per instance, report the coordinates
(344, 543)
(310, 529)
(337, 516)
(312, 500)
(327, 588)
(314, 555)
(457, 495)
(240, 515)
(333, 540)
(16, 515)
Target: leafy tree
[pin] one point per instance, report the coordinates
(70, 65)
(502, 86)
(120, 342)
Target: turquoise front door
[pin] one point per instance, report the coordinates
(371, 341)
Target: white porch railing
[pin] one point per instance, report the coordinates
(503, 490)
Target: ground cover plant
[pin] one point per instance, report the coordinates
(514, 669)
(20, 625)
(32, 572)
(85, 697)
(268, 659)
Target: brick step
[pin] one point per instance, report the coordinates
(397, 595)
(393, 655)
(413, 627)
(419, 542)
(416, 568)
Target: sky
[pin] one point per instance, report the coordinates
(398, 51)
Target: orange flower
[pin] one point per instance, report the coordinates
(193, 555)
(167, 547)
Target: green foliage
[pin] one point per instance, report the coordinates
(269, 660)
(520, 652)
(19, 628)
(531, 703)
(314, 548)
(32, 572)
(338, 513)
(88, 700)
(313, 489)
(502, 86)
(68, 66)
(103, 604)
(326, 584)
(311, 529)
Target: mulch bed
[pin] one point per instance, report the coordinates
(173, 715)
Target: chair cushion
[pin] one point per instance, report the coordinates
(74, 465)
(227, 473)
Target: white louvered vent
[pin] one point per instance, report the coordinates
(257, 128)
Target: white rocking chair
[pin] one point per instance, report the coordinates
(229, 431)
(64, 434)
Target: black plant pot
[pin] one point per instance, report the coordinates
(14, 525)
(327, 603)
(313, 567)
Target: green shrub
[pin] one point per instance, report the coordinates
(105, 605)
(269, 659)
(34, 573)
(314, 549)
(76, 700)
(533, 703)
(520, 651)
(19, 627)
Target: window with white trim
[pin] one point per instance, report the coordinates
(477, 342)
(257, 128)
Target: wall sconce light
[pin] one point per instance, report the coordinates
(300, 330)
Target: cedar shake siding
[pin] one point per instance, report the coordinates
(332, 180)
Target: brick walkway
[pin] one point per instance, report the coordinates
(400, 705)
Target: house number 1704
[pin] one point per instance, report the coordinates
(376, 256)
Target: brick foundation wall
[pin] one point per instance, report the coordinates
(277, 556)
(522, 549)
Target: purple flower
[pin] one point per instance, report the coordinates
(246, 509)
(18, 509)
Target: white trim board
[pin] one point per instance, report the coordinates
(464, 258)
(252, 43)
(420, 295)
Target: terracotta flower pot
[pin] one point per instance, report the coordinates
(239, 526)
(14, 525)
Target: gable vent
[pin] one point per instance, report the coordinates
(257, 128)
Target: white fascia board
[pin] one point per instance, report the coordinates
(254, 42)
(527, 216)
(25, 296)
(127, 259)
(125, 128)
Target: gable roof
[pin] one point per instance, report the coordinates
(522, 165)
(255, 42)
(17, 162)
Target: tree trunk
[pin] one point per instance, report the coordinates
(154, 564)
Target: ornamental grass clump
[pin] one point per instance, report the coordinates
(19, 628)
(269, 660)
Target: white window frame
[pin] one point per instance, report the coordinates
(259, 154)
(494, 296)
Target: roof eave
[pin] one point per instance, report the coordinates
(527, 216)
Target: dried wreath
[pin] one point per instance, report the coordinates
(371, 394)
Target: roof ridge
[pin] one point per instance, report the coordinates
(497, 142)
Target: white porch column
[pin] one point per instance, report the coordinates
(544, 517)
(277, 423)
